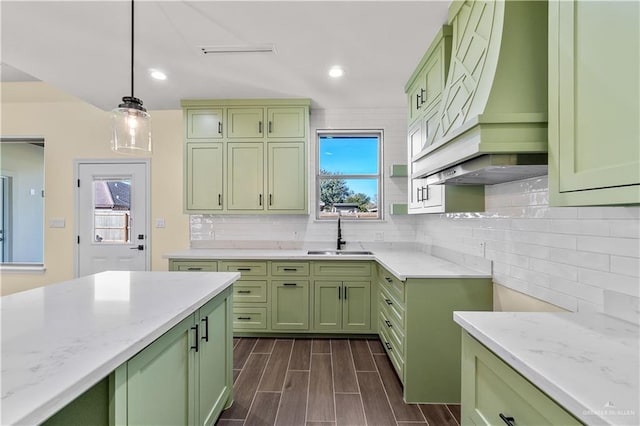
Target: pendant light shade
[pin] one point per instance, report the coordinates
(130, 122)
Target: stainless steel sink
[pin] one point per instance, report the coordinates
(339, 253)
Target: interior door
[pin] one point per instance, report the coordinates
(112, 214)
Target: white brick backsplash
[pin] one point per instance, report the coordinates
(618, 246)
(625, 266)
(609, 281)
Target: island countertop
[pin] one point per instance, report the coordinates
(587, 362)
(61, 339)
(403, 263)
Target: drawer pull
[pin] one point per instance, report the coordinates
(290, 284)
(389, 280)
(244, 291)
(205, 337)
(388, 323)
(388, 302)
(388, 346)
(508, 420)
(244, 318)
(195, 346)
(290, 269)
(199, 268)
(243, 269)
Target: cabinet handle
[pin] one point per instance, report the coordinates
(219, 199)
(220, 127)
(388, 323)
(270, 127)
(388, 346)
(260, 199)
(389, 302)
(422, 93)
(243, 269)
(290, 284)
(290, 269)
(205, 337)
(425, 190)
(194, 268)
(195, 327)
(419, 194)
(244, 318)
(389, 280)
(244, 291)
(339, 293)
(270, 199)
(508, 420)
(417, 101)
(259, 126)
(345, 293)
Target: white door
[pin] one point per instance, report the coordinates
(112, 217)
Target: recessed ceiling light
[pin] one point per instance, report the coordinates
(336, 71)
(158, 75)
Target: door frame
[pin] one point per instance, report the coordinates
(76, 175)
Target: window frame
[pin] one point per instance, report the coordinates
(379, 133)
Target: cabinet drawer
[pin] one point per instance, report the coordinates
(396, 359)
(250, 292)
(245, 268)
(490, 388)
(395, 310)
(193, 265)
(284, 269)
(394, 331)
(389, 282)
(249, 318)
(342, 269)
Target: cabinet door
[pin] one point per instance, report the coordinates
(290, 305)
(215, 369)
(287, 176)
(156, 386)
(245, 123)
(327, 305)
(356, 305)
(245, 176)
(193, 265)
(286, 122)
(594, 73)
(204, 123)
(204, 176)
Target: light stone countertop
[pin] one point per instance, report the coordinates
(588, 362)
(61, 339)
(401, 263)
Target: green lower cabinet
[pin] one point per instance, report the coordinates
(342, 305)
(491, 388)
(290, 305)
(193, 265)
(184, 377)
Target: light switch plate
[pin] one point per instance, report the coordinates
(57, 222)
(160, 222)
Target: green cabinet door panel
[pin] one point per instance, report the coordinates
(157, 385)
(290, 305)
(245, 123)
(204, 176)
(327, 305)
(287, 176)
(215, 361)
(193, 265)
(490, 387)
(286, 122)
(594, 80)
(356, 305)
(204, 123)
(245, 176)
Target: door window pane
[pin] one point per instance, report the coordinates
(112, 211)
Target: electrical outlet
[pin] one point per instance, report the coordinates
(160, 222)
(379, 236)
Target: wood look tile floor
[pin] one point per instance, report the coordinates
(322, 382)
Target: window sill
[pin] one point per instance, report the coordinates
(26, 268)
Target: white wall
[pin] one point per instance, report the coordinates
(291, 228)
(24, 163)
(578, 258)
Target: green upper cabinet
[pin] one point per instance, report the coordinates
(245, 123)
(594, 129)
(255, 164)
(204, 181)
(204, 123)
(245, 176)
(286, 168)
(286, 122)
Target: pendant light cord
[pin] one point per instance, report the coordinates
(132, 28)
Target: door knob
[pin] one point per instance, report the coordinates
(138, 247)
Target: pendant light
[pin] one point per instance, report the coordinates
(130, 122)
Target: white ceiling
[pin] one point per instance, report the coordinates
(83, 48)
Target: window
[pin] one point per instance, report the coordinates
(348, 177)
(21, 201)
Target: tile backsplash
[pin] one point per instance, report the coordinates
(579, 258)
